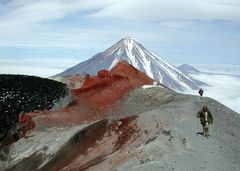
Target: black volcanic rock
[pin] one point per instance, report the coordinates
(20, 93)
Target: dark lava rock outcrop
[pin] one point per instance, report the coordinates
(21, 93)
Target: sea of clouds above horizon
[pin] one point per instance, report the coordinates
(224, 81)
(42, 67)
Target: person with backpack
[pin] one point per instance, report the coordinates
(200, 93)
(206, 119)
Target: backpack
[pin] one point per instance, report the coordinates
(206, 118)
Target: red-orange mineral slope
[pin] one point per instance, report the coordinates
(92, 101)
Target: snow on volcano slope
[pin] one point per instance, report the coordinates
(130, 50)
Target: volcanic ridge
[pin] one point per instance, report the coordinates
(121, 119)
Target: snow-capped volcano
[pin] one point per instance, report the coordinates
(130, 50)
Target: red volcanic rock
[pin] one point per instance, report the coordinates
(27, 122)
(96, 96)
(104, 73)
(91, 145)
(135, 76)
(110, 86)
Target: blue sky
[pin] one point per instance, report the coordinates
(44, 37)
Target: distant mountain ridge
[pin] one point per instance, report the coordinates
(188, 69)
(130, 50)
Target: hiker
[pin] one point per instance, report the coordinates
(206, 119)
(200, 93)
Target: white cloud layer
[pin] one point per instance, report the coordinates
(45, 67)
(17, 13)
(219, 68)
(26, 12)
(155, 10)
(224, 88)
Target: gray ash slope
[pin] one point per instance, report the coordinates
(179, 147)
(166, 140)
(130, 50)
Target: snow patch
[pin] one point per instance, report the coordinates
(153, 85)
